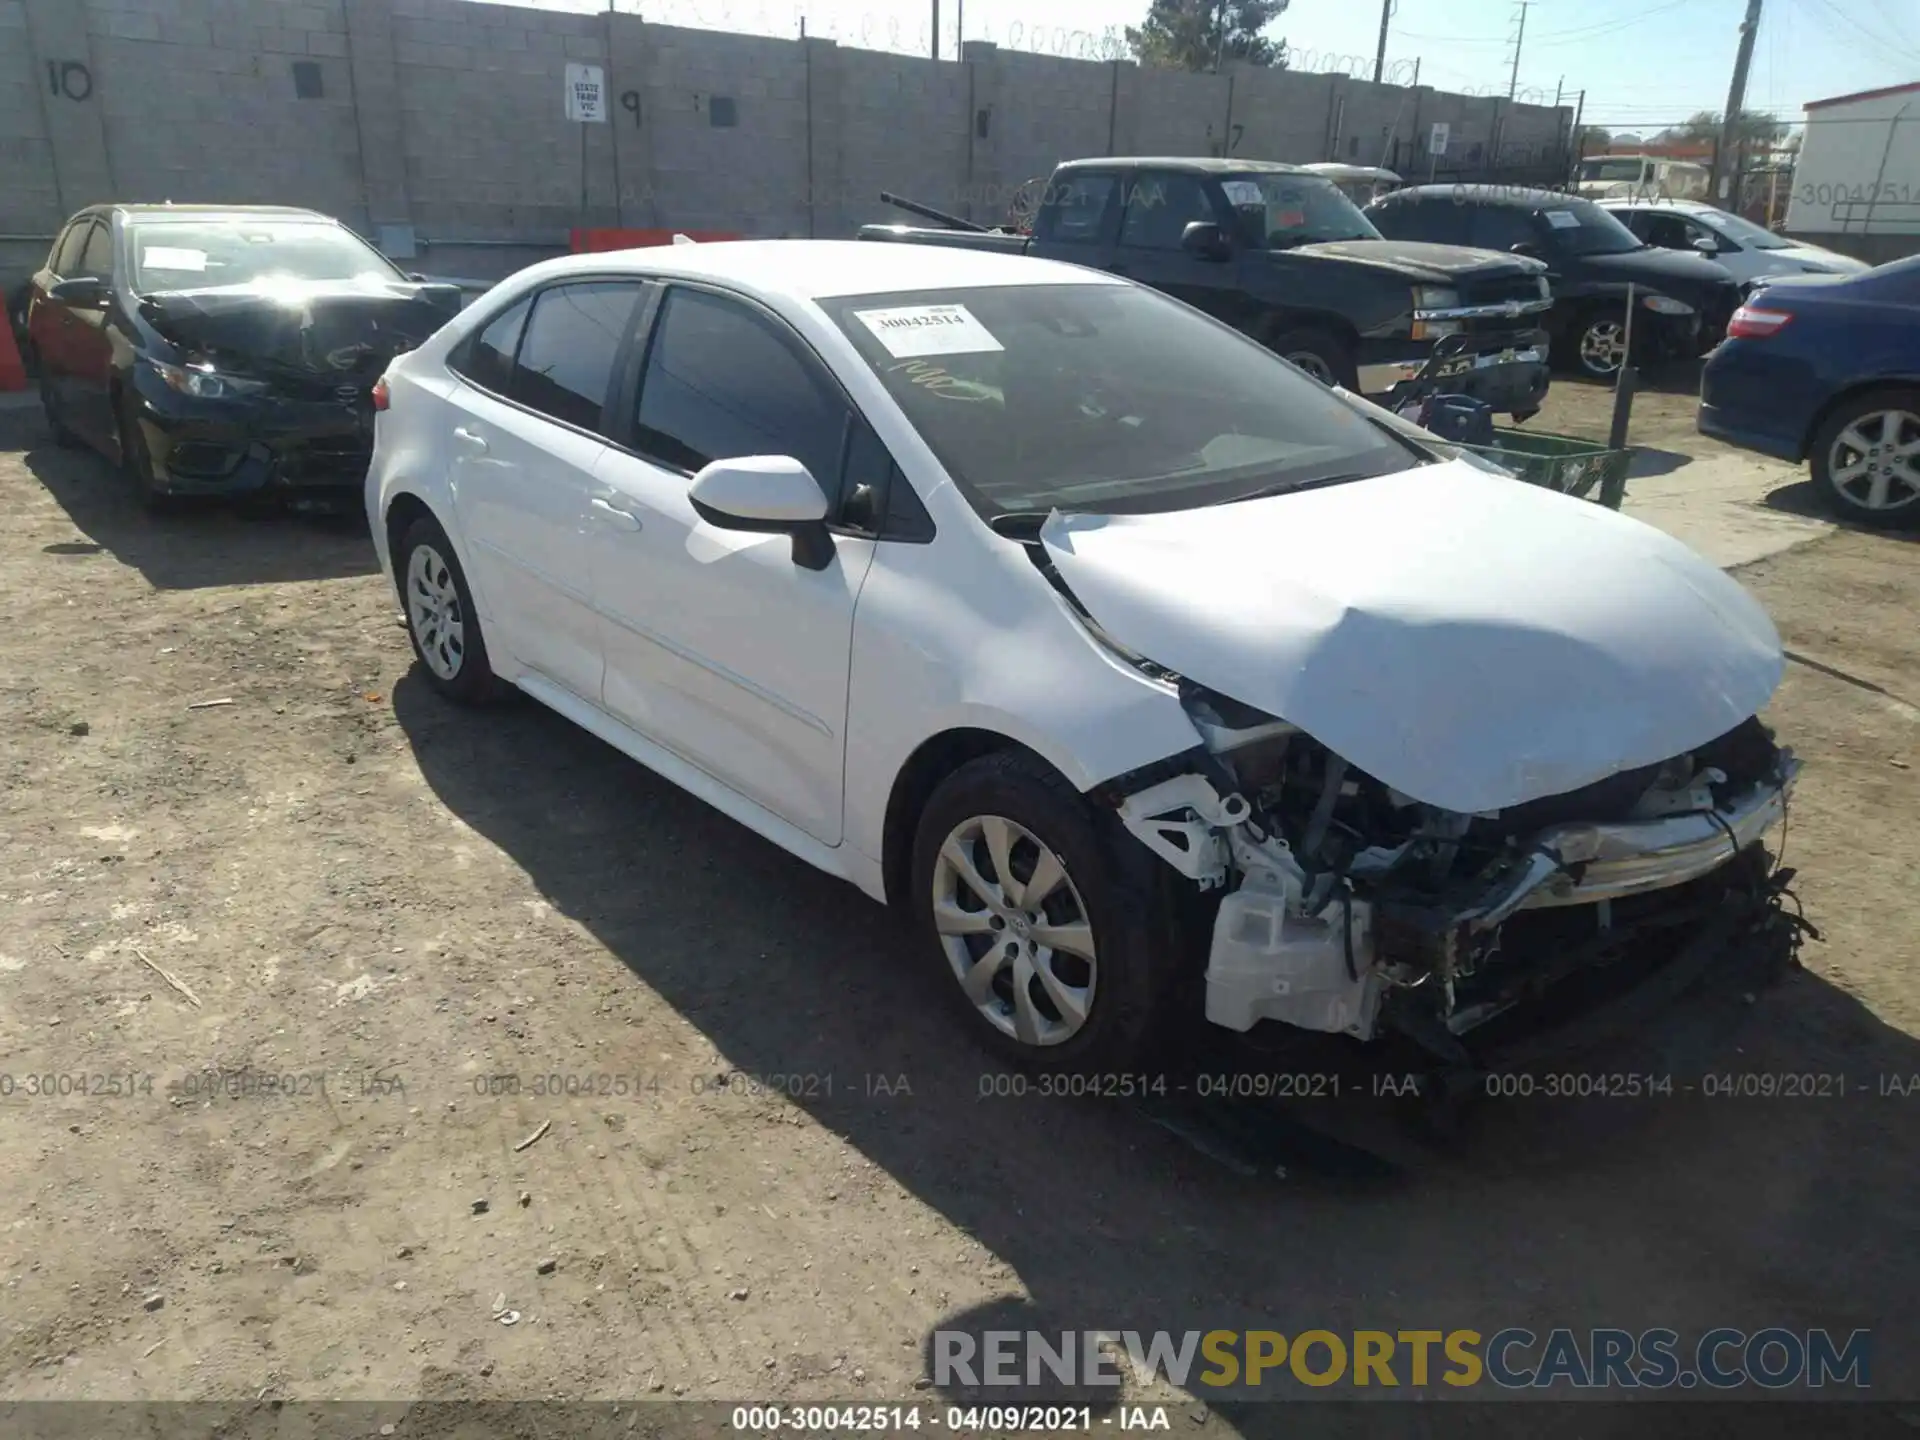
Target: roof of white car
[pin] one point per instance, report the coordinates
(1654, 202)
(822, 269)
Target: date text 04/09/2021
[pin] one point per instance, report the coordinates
(962, 1419)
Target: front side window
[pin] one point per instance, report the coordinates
(566, 360)
(97, 259)
(1107, 398)
(1160, 206)
(1501, 227)
(172, 254)
(723, 382)
(1741, 231)
(488, 360)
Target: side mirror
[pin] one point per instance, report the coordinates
(84, 292)
(1203, 238)
(1707, 245)
(767, 495)
(1527, 248)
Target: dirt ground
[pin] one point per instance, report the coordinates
(416, 915)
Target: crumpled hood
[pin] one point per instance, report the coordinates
(1420, 261)
(322, 328)
(1473, 641)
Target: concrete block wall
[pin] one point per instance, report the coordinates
(449, 116)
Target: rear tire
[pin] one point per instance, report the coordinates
(62, 436)
(441, 621)
(1096, 998)
(1856, 461)
(1321, 353)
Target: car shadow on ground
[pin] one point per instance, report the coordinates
(1803, 498)
(203, 544)
(1649, 462)
(1685, 1210)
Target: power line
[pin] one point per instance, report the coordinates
(1571, 34)
(1879, 40)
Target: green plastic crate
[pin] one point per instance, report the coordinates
(1584, 469)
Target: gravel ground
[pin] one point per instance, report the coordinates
(415, 916)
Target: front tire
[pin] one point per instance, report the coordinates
(1321, 353)
(1866, 458)
(1041, 924)
(1596, 344)
(441, 621)
(136, 460)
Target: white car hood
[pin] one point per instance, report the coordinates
(1471, 640)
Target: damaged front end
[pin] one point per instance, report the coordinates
(1350, 908)
(270, 386)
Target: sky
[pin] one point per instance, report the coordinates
(1643, 64)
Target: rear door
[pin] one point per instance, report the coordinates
(720, 648)
(528, 430)
(50, 323)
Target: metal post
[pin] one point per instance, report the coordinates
(1579, 146)
(1513, 81)
(936, 29)
(1624, 383)
(1220, 36)
(1719, 187)
(1380, 55)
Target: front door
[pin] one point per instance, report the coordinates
(718, 646)
(526, 438)
(1160, 204)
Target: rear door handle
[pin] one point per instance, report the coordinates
(611, 515)
(470, 440)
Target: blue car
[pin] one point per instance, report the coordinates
(1826, 369)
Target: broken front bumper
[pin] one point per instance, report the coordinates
(1586, 864)
(290, 445)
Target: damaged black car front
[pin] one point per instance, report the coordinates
(1482, 770)
(253, 352)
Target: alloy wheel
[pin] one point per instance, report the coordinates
(1875, 461)
(1015, 931)
(434, 612)
(1603, 347)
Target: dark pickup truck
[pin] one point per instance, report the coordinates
(1282, 255)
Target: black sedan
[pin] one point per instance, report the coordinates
(1593, 263)
(223, 351)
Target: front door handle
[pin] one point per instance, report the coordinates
(612, 516)
(471, 441)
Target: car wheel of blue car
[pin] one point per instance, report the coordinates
(1866, 457)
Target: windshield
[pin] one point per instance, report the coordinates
(1629, 169)
(1280, 211)
(1740, 230)
(197, 255)
(1580, 227)
(1106, 398)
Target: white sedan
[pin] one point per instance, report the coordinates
(1145, 671)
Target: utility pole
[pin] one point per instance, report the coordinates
(1380, 55)
(1513, 81)
(1724, 180)
(1220, 36)
(936, 29)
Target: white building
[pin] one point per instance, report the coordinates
(1856, 187)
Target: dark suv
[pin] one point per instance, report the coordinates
(223, 351)
(1683, 301)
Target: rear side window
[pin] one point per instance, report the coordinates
(1079, 206)
(97, 259)
(566, 361)
(65, 260)
(723, 382)
(488, 361)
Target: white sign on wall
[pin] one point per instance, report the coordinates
(1438, 144)
(587, 93)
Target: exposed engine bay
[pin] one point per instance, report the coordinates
(1349, 905)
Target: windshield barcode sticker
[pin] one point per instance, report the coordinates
(168, 257)
(915, 330)
(1563, 220)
